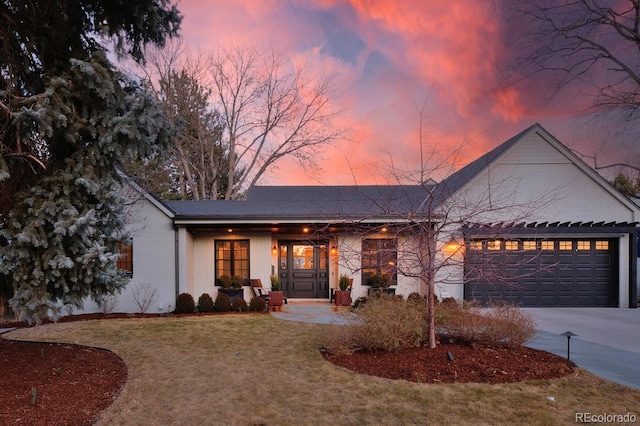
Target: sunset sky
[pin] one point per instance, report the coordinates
(391, 57)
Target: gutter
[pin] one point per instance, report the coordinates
(177, 260)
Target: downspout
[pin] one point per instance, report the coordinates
(633, 269)
(177, 260)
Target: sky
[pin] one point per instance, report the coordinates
(390, 59)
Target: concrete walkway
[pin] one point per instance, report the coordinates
(607, 342)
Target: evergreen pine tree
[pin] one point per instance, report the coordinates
(68, 120)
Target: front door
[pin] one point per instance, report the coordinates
(303, 269)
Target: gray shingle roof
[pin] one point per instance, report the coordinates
(331, 202)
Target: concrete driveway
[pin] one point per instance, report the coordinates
(607, 342)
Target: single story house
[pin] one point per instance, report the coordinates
(534, 224)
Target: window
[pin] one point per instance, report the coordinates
(529, 245)
(125, 260)
(379, 257)
(232, 258)
(475, 245)
(565, 245)
(547, 245)
(511, 245)
(584, 245)
(493, 245)
(602, 245)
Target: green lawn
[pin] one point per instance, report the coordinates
(255, 369)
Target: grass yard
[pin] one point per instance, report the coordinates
(258, 370)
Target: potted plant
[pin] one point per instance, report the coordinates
(224, 281)
(231, 286)
(343, 295)
(380, 283)
(276, 296)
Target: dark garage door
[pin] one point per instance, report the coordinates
(567, 272)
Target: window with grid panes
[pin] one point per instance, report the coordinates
(232, 258)
(125, 260)
(379, 256)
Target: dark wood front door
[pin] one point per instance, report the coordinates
(303, 269)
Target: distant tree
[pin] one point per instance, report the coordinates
(196, 166)
(626, 185)
(68, 119)
(588, 41)
(585, 46)
(269, 112)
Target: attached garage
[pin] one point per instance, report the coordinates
(568, 271)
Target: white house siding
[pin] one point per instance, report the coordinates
(349, 262)
(153, 260)
(535, 182)
(203, 261)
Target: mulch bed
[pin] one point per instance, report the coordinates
(471, 364)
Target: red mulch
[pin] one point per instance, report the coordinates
(471, 364)
(74, 383)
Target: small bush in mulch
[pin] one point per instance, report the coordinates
(223, 303)
(387, 323)
(239, 305)
(185, 304)
(257, 304)
(205, 303)
(497, 325)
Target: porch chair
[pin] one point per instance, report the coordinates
(260, 291)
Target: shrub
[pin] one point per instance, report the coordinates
(237, 282)
(382, 323)
(225, 281)
(205, 303)
(344, 282)
(415, 297)
(107, 302)
(360, 302)
(239, 305)
(257, 304)
(144, 295)
(223, 303)
(185, 304)
(276, 284)
(497, 325)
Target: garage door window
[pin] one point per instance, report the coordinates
(566, 245)
(584, 245)
(511, 245)
(547, 245)
(602, 245)
(529, 245)
(493, 245)
(475, 245)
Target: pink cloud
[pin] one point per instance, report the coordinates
(402, 52)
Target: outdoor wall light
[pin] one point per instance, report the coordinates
(333, 250)
(274, 249)
(452, 246)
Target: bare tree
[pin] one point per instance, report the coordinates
(270, 111)
(196, 164)
(427, 221)
(587, 41)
